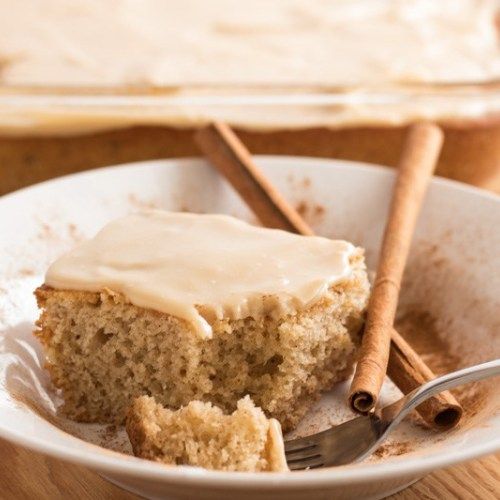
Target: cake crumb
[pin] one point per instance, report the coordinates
(394, 449)
(200, 434)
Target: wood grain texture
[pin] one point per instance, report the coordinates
(28, 475)
(479, 479)
(469, 154)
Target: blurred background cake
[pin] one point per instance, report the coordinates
(92, 83)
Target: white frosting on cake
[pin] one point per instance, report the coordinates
(204, 267)
(167, 42)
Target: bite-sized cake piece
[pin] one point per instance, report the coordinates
(189, 307)
(201, 434)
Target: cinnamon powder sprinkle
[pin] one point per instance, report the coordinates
(311, 212)
(419, 328)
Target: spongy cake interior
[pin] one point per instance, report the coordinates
(103, 351)
(202, 435)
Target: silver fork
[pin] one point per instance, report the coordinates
(358, 438)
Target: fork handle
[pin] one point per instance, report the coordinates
(395, 412)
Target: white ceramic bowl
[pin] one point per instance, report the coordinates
(452, 274)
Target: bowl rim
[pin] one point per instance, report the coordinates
(112, 462)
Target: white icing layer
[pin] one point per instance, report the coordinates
(168, 42)
(202, 267)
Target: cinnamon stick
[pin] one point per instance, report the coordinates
(416, 166)
(226, 152)
(408, 371)
(234, 162)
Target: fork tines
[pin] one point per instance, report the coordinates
(303, 454)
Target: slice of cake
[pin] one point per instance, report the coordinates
(201, 434)
(189, 307)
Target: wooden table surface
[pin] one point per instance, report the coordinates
(28, 475)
